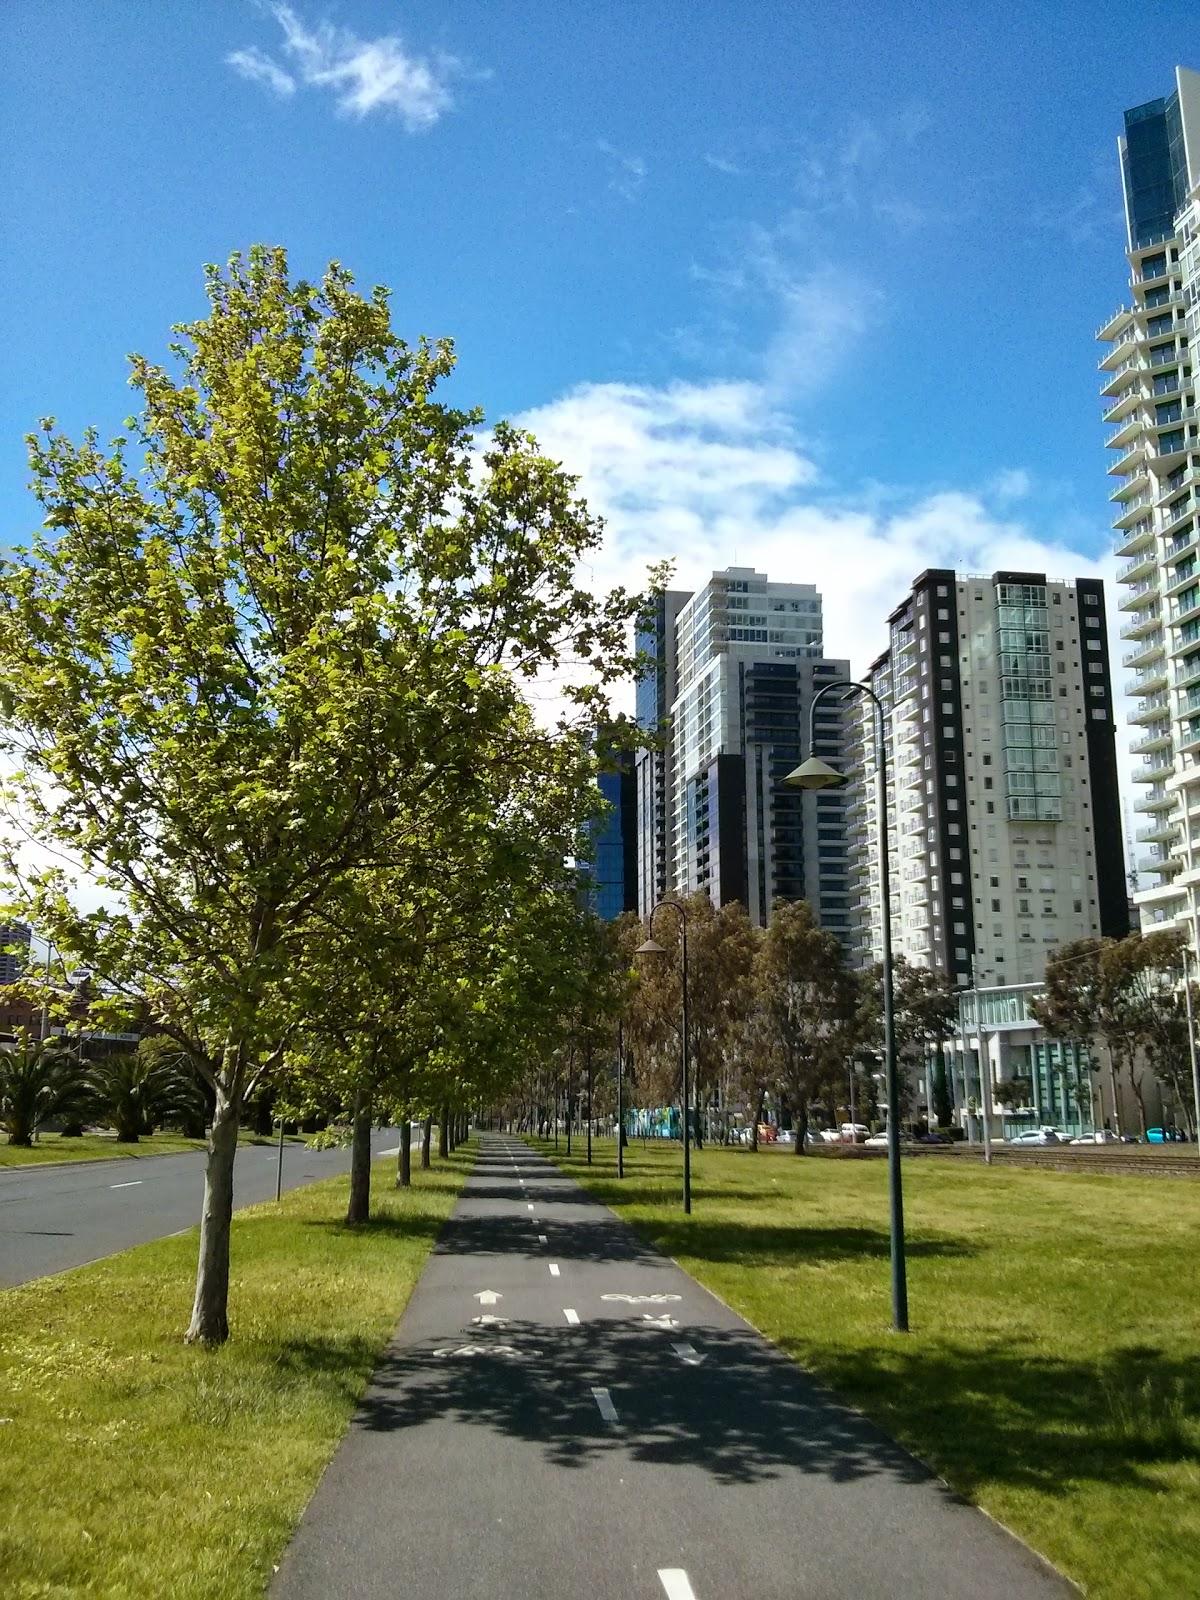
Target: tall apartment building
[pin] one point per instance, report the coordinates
(14, 951)
(1003, 817)
(738, 664)
(1149, 382)
(655, 639)
(610, 877)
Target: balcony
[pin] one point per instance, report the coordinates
(1118, 378)
(1157, 738)
(1141, 625)
(1143, 562)
(1179, 542)
(1119, 319)
(1128, 430)
(1129, 463)
(1156, 799)
(1181, 577)
(1139, 594)
(1122, 347)
(1187, 672)
(1166, 492)
(1154, 770)
(1131, 491)
(1146, 682)
(1152, 706)
(1149, 650)
(1163, 831)
(1159, 863)
(1186, 610)
(1129, 399)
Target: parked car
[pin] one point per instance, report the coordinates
(830, 1136)
(854, 1132)
(1036, 1136)
(1101, 1136)
(1165, 1136)
(931, 1137)
(876, 1140)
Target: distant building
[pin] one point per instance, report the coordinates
(14, 951)
(611, 876)
(1003, 818)
(736, 666)
(1150, 382)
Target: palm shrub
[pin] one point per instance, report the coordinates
(133, 1092)
(39, 1079)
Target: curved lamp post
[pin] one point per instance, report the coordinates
(651, 947)
(817, 774)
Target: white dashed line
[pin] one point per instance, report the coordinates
(607, 1410)
(132, 1184)
(554, 1269)
(687, 1353)
(529, 1207)
(675, 1581)
(571, 1316)
(542, 1239)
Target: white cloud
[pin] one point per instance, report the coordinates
(628, 172)
(256, 65)
(714, 474)
(720, 164)
(364, 75)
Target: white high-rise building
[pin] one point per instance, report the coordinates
(741, 661)
(1004, 822)
(1149, 382)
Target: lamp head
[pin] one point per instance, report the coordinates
(650, 947)
(814, 774)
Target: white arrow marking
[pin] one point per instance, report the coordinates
(665, 1321)
(491, 1322)
(675, 1581)
(687, 1354)
(643, 1299)
(571, 1316)
(132, 1184)
(530, 1206)
(604, 1400)
(483, 1350)
(487, 1297)
(554, 1269)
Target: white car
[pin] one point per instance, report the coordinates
(854, 1132)
(1036, 1136)
(876, 1141)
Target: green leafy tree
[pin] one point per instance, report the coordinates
(134, 1092)
(926, 1014)
(227, 667)
(39, 1080)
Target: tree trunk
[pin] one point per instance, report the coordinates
(359, 1207)
(800, 1128)
(758, 1114)
(942, 1108)
(444, 1134)
(404, 1171)
(1112, 1089)
(426, 1134)
(210, 1308)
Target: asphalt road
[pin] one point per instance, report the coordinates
(56, 1217)
(564, 1413)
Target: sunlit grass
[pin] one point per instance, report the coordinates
(53, 1148)
(1052, 1373)
(133, 1465)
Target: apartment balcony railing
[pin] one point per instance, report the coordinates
(1186, 672)
(1150, 771)
(1145, 652)
(1137, 592)
(1128, 336)
(1139, 563)
(1155, 739)
(1150, 706)
(1159, 863)
(1138, 626)
(1161, 833)
(1146, 682)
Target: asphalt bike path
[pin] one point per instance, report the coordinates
(565, 1413)
(65, 1215)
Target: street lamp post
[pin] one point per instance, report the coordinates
(651, 947)
(817, 774)
(620, 1099)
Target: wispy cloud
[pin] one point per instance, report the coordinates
(627, 172)
(256, 65)
(720, 164)
(363, 75)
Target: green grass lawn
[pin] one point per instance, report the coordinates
(52, 1147)
(1052, 1373)
(132, 1465)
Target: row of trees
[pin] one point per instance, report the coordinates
(1126, 1000)
(772, 1012)
(266, 678)
(132, 1092)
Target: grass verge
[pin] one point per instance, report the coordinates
(1052, 1374)
(52, 1148)
(133, 1465)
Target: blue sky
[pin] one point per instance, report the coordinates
(808, 285)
